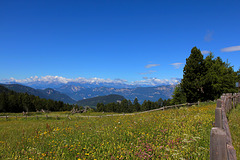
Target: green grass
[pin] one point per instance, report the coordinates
(234, 125)
(61, 114)
(36, 113)
(170, 134)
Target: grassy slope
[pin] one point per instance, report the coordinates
(170, 134)
(234, 125)
(59, 114)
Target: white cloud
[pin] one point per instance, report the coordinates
(157, 82)
(176, 65)
(205, 52)
(151, 65)
(47, 78)
(57, 79)
(148, 72)
(231, 49)
(62, 80)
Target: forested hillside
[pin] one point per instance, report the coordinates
(127, 106)
(101, 99)
(11, 101)
(47, 93)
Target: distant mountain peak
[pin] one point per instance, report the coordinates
(47, 93)
(58, 81)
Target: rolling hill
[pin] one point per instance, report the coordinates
(47, 93)
(92, 102)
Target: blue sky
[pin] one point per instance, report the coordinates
(118, 39)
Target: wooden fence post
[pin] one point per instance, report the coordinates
(238, 97)
(230, 101)
(233, 101)
(218, 148)
(223, 98)
(219, 103)
(218, 118)
(218, 114)
(227, 103)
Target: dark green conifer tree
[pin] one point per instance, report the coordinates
(179, 97)
(192, 76)
(137, 106)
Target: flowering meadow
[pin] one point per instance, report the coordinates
(182, 133)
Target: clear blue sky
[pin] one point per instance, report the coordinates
(113, 39)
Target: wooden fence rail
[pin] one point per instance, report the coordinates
(221, 147)
(108, 115)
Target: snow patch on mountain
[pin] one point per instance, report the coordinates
(58, 81)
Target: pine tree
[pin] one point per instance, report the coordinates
(3, 102)
(179, 97)
(124, 106)
(192, 75)
(160, 102)
(137, 105)
(144, 106)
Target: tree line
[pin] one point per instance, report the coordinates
(11, 101)
(126, 106)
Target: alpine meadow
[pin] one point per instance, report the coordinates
(119, 80)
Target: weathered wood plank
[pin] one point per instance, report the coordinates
(219, 103)
(218, 149)
(218, 118)
(231, 153)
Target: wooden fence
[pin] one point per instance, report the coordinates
(106, 115)
(221, 147)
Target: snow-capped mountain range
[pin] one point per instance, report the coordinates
(58, 81)
(83, 88)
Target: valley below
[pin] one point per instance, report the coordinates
(69, 93)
